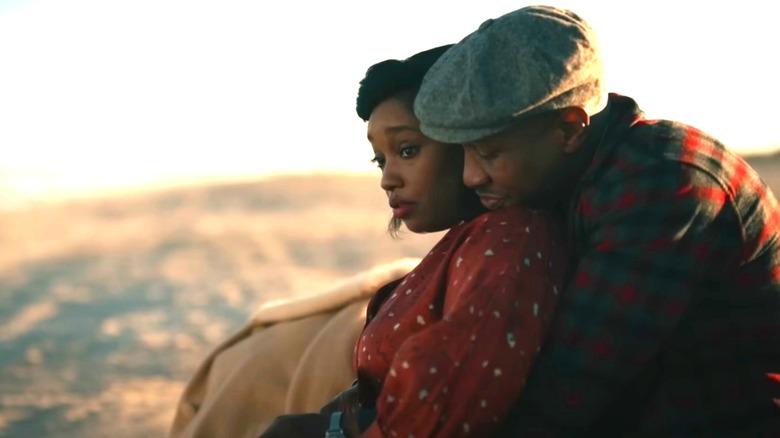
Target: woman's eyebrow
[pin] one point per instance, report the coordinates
(396, 130)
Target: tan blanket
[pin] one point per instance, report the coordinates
(292, 356)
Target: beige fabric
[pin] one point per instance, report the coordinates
(292, 356)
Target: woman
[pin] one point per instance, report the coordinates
(445, 350)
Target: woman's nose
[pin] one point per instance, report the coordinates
(391, 180)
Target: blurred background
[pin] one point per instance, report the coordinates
(166, 166)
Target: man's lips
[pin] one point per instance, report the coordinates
(491, 202)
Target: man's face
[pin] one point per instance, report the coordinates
(519, 166)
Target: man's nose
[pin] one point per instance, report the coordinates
(474, 175)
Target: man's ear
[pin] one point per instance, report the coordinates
(573, 122)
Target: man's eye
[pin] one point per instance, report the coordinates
(408, 151)
(486, 154)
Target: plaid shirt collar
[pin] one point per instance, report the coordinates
(619, 116)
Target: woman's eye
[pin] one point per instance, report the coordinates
(379, 161)
(408, 151)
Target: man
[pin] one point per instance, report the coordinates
(670, 321)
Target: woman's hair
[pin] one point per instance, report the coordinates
(402, 79)
(392, 77)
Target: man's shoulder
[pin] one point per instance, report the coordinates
(671, 141)
(652, 146)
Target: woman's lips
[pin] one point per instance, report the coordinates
(401, 210)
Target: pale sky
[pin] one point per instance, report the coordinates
(99, 94)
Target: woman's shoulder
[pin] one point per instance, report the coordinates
(506, 227)
(512, 217)
(511, 224)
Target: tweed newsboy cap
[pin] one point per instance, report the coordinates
(531, 60)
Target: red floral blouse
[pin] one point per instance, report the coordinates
(448, 351)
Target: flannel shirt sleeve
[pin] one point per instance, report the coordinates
(650, 239)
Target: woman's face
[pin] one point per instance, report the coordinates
(422, 177)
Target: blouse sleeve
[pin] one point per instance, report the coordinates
(461, 375)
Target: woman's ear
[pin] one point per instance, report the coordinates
(573, 122)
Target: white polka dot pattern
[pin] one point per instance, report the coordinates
(435, 348)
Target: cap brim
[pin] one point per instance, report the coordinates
(459, 135)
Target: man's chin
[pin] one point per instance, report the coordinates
(536, 203)
(532, 202)
(492, 202)
(496, 203)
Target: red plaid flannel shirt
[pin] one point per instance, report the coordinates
(671, 318)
